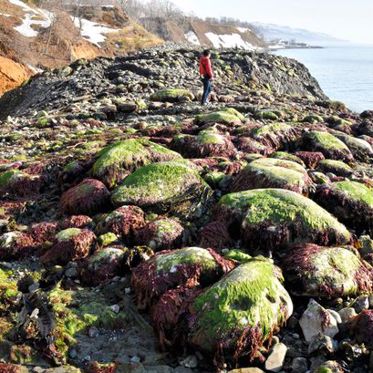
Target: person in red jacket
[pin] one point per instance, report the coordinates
(205, 70)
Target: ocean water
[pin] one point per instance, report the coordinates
(344, 73)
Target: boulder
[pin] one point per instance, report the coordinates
(272, 173)
(172, 95)
(236, 315)
(121, 158)
(360, 149)
(327, 272)
(268, 219)
(337, 168)
(161, 234)
(70, 245)
(224, 116)
(362, 328)
(350, 201)
(189, 267)
(87, 198)
(165, 186)
(327, 144)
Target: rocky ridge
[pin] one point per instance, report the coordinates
(142, 232)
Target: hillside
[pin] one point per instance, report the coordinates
(271, 32)
(207, 33)
(143, 232)
(48, 38)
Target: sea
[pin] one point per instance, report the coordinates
(344, 73)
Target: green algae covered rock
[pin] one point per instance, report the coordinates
(338, 168)
(287, 157)
(276, 135)
(8, 290)
(360, 148)
(328, 272)
(165, 186)
(327, 144)
(188, 267)
(121, 158)
(172, 95)
(236, 315)
(224, 116)
(329, 367)
(273, 173)
(276, 218)
(350, 201)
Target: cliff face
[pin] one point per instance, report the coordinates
(52, 37)
(204, 33)
(239, 70)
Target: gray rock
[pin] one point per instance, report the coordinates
(321, 344)
(347, 314)
(190, 361)
(361, 303)
(316, 319)
(299, 365)
(336, 315)
(275, 360)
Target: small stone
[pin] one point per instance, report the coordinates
(73, 353)
(321, 344)
(275, 360)
(361, 303)
(190, 362)
(246, 370)
(71, 272)
(299, 365)
(316, 319)
(93, 332)
(347, 314)
(135, 359)
(115, 308)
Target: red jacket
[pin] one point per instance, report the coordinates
(205, 68)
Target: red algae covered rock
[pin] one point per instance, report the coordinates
(362, 327)
(71, 244)
(350, 201)
(76, 221)
(167, 270)
(311, 159)
(124, 222)
(161, 234)
(327, 272)
(87, 198)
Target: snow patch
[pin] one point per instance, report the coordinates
(92, 31)
(229, 41)
(242, 30)
(39, 17)
(192, 38)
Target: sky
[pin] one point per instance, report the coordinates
(345, 19)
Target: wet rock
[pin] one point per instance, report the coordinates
(163, 187)
(362, 327)
(71, 244)
(275, 360)
(272, 173)
(360, 149)
(169, 269)
(311, 159)
(361, 303)
(315, 320)
(350, 201)
(321, 344)
(87, 198)
(327, 272)
(269, 219)
(118, 160)
(347, 314)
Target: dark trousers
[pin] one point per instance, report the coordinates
(206, 89)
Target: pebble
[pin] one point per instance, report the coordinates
(321, 344)
(316, 319)
(275, 360)
(247, 370)
(190, 361)
(299, 365)
(361, 303)
(347, 314)
(115, 308)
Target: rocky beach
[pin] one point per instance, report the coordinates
(143, 232)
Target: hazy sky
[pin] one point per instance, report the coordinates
(345, 19)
